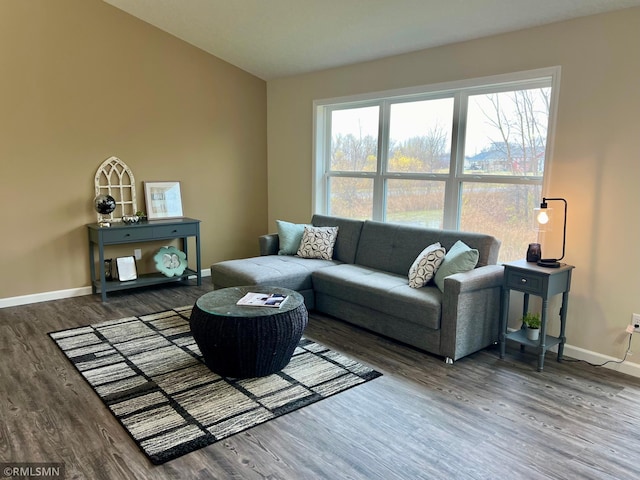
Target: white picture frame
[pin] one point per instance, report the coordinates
(163, 200)
(126, 267)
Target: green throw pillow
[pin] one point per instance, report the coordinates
(289, 237)
(461, 258)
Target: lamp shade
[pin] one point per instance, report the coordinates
(543, 219)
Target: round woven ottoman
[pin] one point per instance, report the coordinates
(246, 341)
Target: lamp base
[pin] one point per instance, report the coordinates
(548, 263)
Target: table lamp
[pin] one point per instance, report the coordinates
(542, 216)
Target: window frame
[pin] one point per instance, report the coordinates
(460, 91)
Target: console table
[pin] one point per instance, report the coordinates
(120, 233)
(531, 279)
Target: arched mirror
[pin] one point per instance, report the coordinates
(116, 179)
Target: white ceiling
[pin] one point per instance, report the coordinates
(277, 38)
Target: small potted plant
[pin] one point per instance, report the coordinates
(532, 321)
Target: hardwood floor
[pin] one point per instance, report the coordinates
(480, 418)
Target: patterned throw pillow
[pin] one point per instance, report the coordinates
(425, 265)
(318, 242)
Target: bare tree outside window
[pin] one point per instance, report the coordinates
(510, 131)
(507, 133)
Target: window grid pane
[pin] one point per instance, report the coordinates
(351, 197)
(420, 136)
(502, 210)
(506, 133)
(416, 202)
(354, 139)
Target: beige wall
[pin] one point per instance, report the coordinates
(595, 161)
(81, 81)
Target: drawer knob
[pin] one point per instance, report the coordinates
(523, 280)
(127, 235)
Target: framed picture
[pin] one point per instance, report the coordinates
(126, 267)
(163, 200)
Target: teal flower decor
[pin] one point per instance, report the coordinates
(170, 261)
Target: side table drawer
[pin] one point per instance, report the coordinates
(118, 235)
(524, 282)
(168, 231)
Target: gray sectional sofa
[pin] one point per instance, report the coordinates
(366, 284)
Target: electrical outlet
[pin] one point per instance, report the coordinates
(137, 252)
(635, 322)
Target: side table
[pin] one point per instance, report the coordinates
(531, 279)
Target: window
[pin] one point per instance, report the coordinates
(468, 156)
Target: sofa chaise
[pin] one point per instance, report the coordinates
(365, 282)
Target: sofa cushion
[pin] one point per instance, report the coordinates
(317, 242)
(393, 247)
(276, 270)
(289, 237)
(426, 265)
(460, 258)
(385, 292)
(346, 244)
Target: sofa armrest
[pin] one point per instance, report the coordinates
(269, 244)
(471, 311)
(488, 276)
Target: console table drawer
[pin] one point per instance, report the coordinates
(524, 281)
(124, 235)
(168, 231)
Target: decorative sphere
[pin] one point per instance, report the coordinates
(104, 204)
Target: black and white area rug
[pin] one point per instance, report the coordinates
(149, 372)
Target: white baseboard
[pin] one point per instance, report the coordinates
(59, 294)
(44, 297)
(630, 368)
